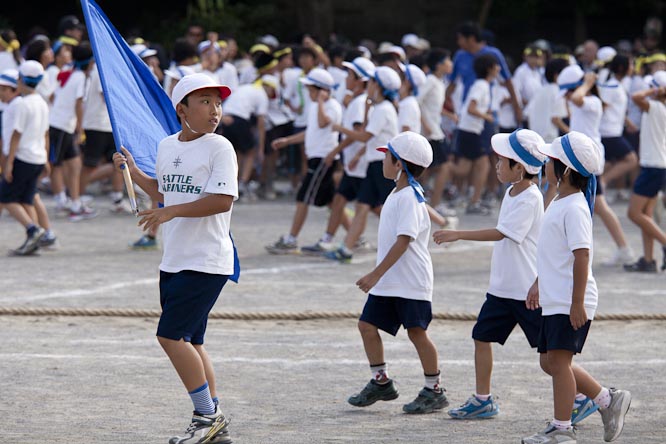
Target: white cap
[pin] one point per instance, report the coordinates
(194, 82)
(271, 80)
(411, 147)
(410, 40)
(606, 53)
(387, 78)
(270, 40)
(585, 150)
(143, 51)
(206, 45)
(397, 50)
(179, 72)
(384, 47)
(658, 79)
(9, 77)
(365, 51)
(424, 44)
(31, 68)
(414, 75)
(363, 67)
(569, 76)
(530, 141)
(320, 78)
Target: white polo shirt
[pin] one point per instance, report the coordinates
(247, 101)
(431, 99)
(653, 136)
(228, 75)
(63, 111)
(8, 119)
(95, 113)
(513, 265)
(411, 277)
(321, 141)
(566, 227)
(409, 115)
(546, 104)
(586, 118)
(616, 100)
(297, 95)
(527, 81)
(480, 93)
(186, 172)
(32, 121)
(383, 125)
(352, 115)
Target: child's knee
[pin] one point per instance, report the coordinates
(367, 329)
(417, 334)
(543, 361)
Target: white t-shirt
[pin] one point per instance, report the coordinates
(32, 121)
(278, 113)
(46, 87)
(8, 119)
(354, 114)
(7, 61)
(52, 74)
(186, 172)
(567, 226)
(653, 136)
(546, 104)
(339, 78)
(527, 81)
(95, 113)
(431, 99)
(632, 85)
(246, 101)
(587, 118)
(505, 115)
(228, 75)
(480, 93)
(320, 141)
(63, 112)
(383, 125)
(616, 100)
(411, 277)
(247, 74)
(297, 95)
(409, 115)
(513, 266)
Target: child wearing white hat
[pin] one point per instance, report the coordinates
(409, 112)
(400, 286)
(197, 181)
(567, 292)
(652, 177)
(513, 264)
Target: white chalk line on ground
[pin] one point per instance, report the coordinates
(313, 362)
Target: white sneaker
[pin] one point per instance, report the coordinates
(445, 211)
(620, 257)
(205, 429)
(552, 435)
(613, 416)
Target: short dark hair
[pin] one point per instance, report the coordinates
(436, 56)
(483, 64)
(469, 29)
(35, 49)
(337, 51)
(414, 170)
(513, 163)
(351, 54)
(306, 50)
(555, 67)
(183, 50)
(619, 65)
(576, 179)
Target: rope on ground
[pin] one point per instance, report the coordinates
(274, 316)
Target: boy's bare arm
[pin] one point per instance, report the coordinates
(207, 206)
(581, 266)
(397, 250)
(490, 234)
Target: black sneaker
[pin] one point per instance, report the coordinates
(642, 266)
(427, 401)
(373, 392)
(31, 244)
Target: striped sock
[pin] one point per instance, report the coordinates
(202, 401)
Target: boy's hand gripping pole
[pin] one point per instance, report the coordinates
(130, 189)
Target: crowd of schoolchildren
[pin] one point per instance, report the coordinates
(361, 124)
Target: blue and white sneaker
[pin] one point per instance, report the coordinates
(582, 409)
(474, 408)
(339, 255)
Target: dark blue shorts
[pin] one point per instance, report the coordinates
(489, 130)
(499, 316)
(469, 145)
(318, 187)
(441, 150)
(650, 181)
(61, 146)
(389, 313)
(616, 148)
(23, 186)
(556, 333)
(349, 187)
(634, 139)
(600, 187)
(239, 133)
(375, 188)
(186, 298)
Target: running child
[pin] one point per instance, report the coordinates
(652, 177)
(513, 265)
(567, 292)
(400, 286)
(196, 181)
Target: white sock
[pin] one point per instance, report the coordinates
(380, 373)
(346, 250)
(433, 382)
(61, 197)
(483, 398)
(603, 399)
(289, 239)
(327, 237)
(580, 397)
(116, 196)
(76, 205)
(561, 425)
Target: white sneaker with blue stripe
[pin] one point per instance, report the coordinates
(582, 409)
(474, 408)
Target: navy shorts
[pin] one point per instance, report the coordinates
(499, 316)
(274, 133)
(61, 146)
(99, 145)
(600, 188)
(349, 187)
(389, 313)
(375, 188)
(441, 150)
(634, 139)
(616, 148)
(23, 186)
(489, 130)
(556, 333)
(469, 145)
(318, 187)
(186, 298)
(650, 181)
(239, 133)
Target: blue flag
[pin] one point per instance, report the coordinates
(141, 113)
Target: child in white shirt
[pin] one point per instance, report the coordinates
(409, 112)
